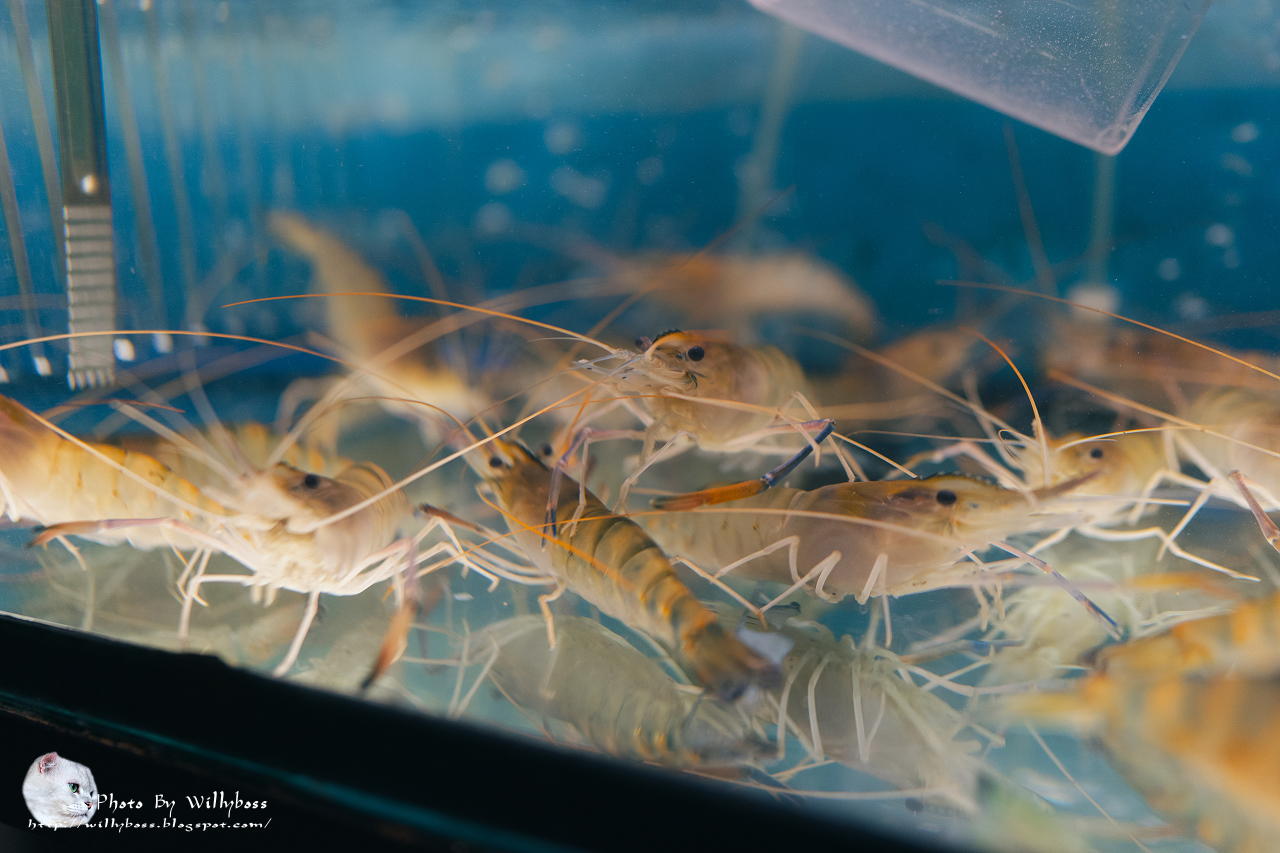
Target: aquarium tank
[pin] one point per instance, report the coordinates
(864, 415)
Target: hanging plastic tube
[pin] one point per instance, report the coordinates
(1086, 70)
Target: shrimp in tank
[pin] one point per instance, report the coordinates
(610, 562)
(365, 326)
(1203, 749)
(736, 290)
(50, 478)
(721, 396)
(620, 701)
(879, 538)
(276, 520)
(858, 705)
(1047, 637)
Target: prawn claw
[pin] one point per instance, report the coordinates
(719, 495)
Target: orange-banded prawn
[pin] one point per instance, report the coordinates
(1204, 751)
(610, 562)
(1244, 641)
(616, 698)
(876, 538)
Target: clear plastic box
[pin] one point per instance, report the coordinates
(1086, 70)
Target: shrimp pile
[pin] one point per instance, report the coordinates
(697, 551)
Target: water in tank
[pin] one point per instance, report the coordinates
(668, 381)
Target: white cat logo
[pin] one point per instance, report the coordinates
(60, 792)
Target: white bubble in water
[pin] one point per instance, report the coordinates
(1246, 132)
(43, 368)
(493, 218)
(583, 190)
(1218, 234)
(562, 137)
(649, 170)
(1191, 306)
(548, 37)
(124, 349)
(503, 176)
(1096, 295)
(1169, 269)
(1233, 162)
(463, 38)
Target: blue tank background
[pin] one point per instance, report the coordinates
(348, 110)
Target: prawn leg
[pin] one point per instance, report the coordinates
(544, 604)
(581, 441)
(747, 488)
(308, 616)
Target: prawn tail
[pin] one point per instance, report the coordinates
(724, 664)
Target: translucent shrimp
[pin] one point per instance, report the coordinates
(859, 706)
(1143, 364)
(620, 701)
(363, 326)
(611, 563)
(889, 537)
(1115, 473)
(1230, 435)
(1050, 638)
(1216, 431)
(736, 289)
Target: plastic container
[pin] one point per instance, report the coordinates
(1087, 71)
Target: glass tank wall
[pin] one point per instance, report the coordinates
(454, 344)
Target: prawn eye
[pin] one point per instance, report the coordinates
(495, 462)
(696, 353)
(74, 786)
(1096, 453)
(643, 343)
(946, 497)
(311, 481)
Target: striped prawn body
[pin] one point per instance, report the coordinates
(49, 479)
(611, 563)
